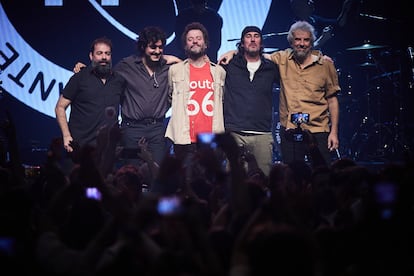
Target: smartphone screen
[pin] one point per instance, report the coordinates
(207, 139)
(300, 118)
(169, 205)
(93, 193)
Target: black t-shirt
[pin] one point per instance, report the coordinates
(93, 104)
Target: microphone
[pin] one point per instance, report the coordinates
(380, 18)
(338, 154)
(411, 55)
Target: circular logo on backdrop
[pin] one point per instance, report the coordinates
(41, 41)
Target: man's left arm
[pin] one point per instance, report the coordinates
(333, 106)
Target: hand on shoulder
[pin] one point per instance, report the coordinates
(328, 58)
(78, 66)
(226, 57)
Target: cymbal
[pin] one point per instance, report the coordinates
(386, 75)
(367, 64)
(366, 46)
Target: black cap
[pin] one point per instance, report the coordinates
(251, 29)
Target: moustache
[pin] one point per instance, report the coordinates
(102, 64)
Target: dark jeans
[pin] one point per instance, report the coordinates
(152, 130)
(314, 146)
(185, 152)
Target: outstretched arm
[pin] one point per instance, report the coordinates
(171, 59)
(225, 58)
(146, 155)
(267, 56)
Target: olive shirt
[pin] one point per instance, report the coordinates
(306, 90)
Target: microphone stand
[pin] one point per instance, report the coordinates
(411, 56)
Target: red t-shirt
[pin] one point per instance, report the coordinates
(200, 105)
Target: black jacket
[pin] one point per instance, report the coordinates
(248, 105)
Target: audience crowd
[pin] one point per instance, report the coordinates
(216, 214)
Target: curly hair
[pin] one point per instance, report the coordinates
(150, 35)
(194, 26)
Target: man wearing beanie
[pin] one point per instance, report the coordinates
(248, 107)
(309, 86)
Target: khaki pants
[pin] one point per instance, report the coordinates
(260, 145)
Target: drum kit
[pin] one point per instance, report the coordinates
(377, 134)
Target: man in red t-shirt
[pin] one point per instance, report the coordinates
(196, 91)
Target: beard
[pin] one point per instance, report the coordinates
(252, 54)
(102, 70)
(300, 56)
(151, 63)
(195, 55)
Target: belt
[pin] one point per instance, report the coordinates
(246, 133)
(144, 121)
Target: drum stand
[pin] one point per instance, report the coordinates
(377, 139)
